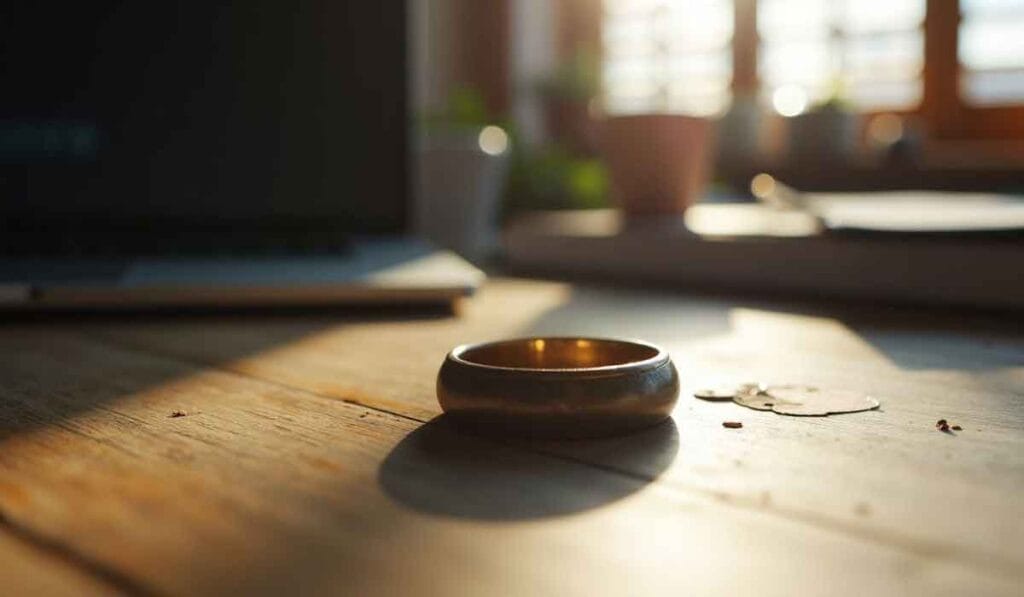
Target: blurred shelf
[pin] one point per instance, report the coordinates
(767, 255)
(865, 175)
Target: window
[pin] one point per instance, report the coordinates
(667, 55)
(956, 65)
(867, 52)
(991, 51)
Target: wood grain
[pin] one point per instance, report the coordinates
(302, 462)
(31, 569)
(828, 471)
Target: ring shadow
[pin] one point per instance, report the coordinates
(440, 470)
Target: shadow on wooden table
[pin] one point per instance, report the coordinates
(941, 339)
(60, 365)
(440, 470)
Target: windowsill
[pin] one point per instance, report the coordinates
(769, 257)
(961, 167)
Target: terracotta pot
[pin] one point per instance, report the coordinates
(658, 163)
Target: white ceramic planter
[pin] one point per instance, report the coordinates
(458, 194)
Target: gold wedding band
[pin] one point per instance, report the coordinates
(557, 387)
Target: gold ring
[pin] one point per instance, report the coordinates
(557, 387)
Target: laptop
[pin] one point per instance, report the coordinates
(194, 153)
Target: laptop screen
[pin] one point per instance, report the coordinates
(198, 115)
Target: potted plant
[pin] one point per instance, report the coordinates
(827, 133)
(553, 177)
(567, 96)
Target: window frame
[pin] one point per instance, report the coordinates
(947, 116)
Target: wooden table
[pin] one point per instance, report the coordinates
(303, 459)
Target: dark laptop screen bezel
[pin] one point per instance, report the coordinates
(38, 178)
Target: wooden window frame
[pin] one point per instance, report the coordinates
(942, 109)
(948, 115)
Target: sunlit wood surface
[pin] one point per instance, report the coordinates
(306, 462)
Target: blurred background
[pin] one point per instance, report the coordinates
(662, 140)
(823, 95)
